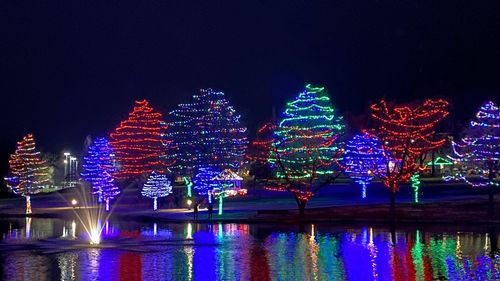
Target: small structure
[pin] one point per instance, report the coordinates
(228, 185)
(441, 164)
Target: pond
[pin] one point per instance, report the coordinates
(53, 249)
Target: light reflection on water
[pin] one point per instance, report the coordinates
(249, 252)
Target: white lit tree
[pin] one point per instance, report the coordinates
(157, 186)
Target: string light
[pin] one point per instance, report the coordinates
(259, 152)
(157, 186)
(363, 159)
(206, 132)
(28, 172)
(138, 142)
(407, 133)
(97, 160)
(307, 147)
(478, 153)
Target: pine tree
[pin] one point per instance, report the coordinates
(479, 151)
(106, 184)
(138, 142)
(98, 159)
(28, 173)
(308, 145)
(206, 132)
(157, 186)
(364, 158)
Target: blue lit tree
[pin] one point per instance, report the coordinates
(205, 133)
(157, 186)
(109, 189)
(478, 152)
(99, 159)
(308, 145)
(204, 183)
(364, 158)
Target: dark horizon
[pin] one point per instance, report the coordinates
(72, 69)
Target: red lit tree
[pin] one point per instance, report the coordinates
(138, 142)
(28, 172)
(259, 152)
(407, 134)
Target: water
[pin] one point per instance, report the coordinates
(46, 249)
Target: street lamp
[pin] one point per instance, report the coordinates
(74, 202)
(67, 156)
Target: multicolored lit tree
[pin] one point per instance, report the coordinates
(259, 152)
(206, 133)
(478, 152)
(98, 159)
(364, 158)
(138, 142)
(28, 172)
(157, 186)
(407, 134)
(307, 149)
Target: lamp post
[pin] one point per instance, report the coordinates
(67, 156)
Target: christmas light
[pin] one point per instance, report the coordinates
(97, 161)
(363, 159)
(206, 133)
(203, 181)
(157, 186)
(407, 132)
(28, 172)
(259, 152)
(415, 184)
(307, 147)
(138, 142)
(478, 153)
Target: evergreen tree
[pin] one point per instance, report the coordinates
(364, 158)
(138, 142)
(478, 152)
(157, 186)
(308, 147)
(205, 133)
(98, 159)
(28, 172)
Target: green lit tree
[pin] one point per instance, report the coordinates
(308, 145)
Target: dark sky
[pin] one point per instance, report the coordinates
(72, 68)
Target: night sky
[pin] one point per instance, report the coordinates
(73, 68)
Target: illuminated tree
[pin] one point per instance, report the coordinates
(28, 172)
(98, 159)
(204, 183)
(307, 147)
(363, 159)
(407, 134)
(157, 186)
(206, 133)
(138, 142)
(106, 184)
(259, 152)
(478, 152)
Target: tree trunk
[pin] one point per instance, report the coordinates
(155, 204)
(107, 205)
(392, 208)
(302, 206)
(491, 201)
(28, 204)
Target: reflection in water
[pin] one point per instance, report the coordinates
(249, 252)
